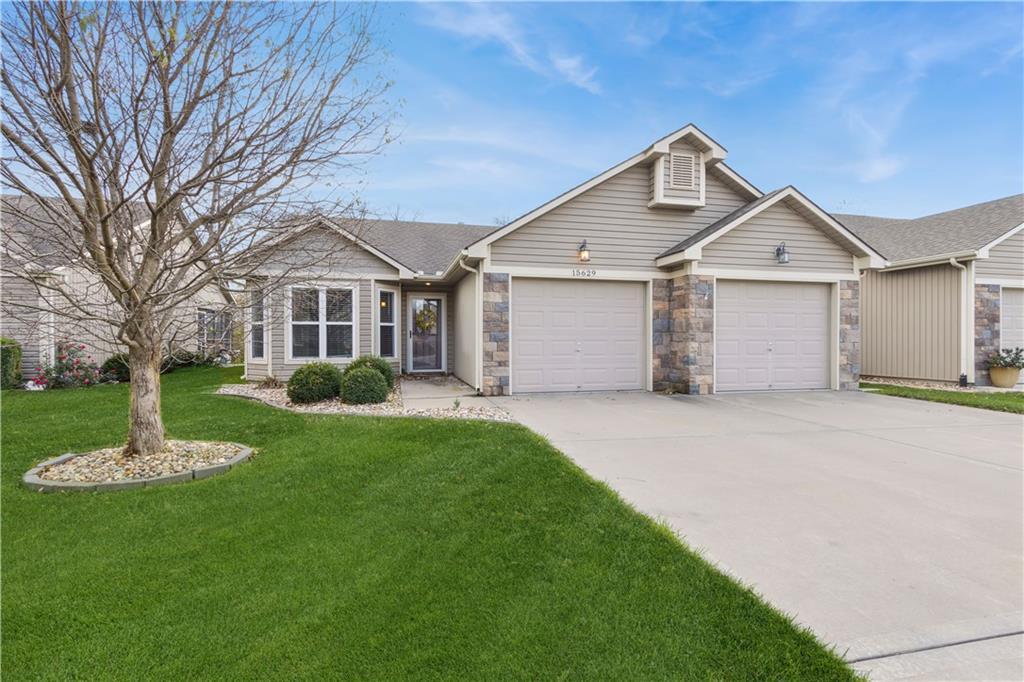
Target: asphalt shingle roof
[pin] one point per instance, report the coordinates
(963, 229)
(426, 247)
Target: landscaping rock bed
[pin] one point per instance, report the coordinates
(393, 407)
(940, 385)
(108, 469)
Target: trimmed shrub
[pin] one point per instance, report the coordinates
(10, 363)
(376, 363)
(314, 382)
(116, 368)
(363, 385)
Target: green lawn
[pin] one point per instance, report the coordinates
(1002, 402)
(356, 548)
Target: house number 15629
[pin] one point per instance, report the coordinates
(584, 272)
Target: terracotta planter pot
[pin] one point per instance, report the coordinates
(1004, 377)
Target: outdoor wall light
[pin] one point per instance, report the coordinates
(583, 252)
(781, 254)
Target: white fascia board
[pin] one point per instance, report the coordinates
(876, 260)
(478, 249)
(689, 254)
(717, 152)
(738, 179)
(983, 251)
(403, 271)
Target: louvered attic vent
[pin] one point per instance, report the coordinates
(682, 169)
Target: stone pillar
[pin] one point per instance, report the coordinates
(986, 330)
(495, 332)
(692, 305)
(849, 335)
(666, 376)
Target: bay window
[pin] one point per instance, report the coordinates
(322, 323)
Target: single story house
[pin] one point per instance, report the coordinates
(32, 264)
(668, 271)
(951, 295)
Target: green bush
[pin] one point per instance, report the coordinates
(116, 368)
(10, 363)
(376, 363)
(314, 382)
(363, 385)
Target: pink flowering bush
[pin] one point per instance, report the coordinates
(72, 369)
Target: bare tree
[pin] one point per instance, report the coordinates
(175, 138)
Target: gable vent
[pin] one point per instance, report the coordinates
(682, 171)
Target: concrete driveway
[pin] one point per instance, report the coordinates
(891, 527)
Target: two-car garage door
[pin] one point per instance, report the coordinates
(771, 335)
(577, 335)
(573, 335)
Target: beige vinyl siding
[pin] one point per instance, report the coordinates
(752, 245)
(622, 232)
(321, 254)
(910, 322)
(464, 311)
(673, 193)
(1005, 260)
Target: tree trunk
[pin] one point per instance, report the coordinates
(146, 434)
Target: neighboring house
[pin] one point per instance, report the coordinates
(27, 317)
(951, 296)
(667, 271)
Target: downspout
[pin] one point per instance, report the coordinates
(966, 368)
(477, 324)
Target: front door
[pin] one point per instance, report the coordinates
(426, 333)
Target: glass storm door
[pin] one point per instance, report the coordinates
(426, 333)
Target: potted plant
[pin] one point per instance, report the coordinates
(1004, 367)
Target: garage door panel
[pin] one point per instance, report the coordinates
(771, 335)
(592, 338)
(1012, 320)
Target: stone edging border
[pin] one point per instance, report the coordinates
(32, 481)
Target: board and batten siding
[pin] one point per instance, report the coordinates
(752, 244)
(910, 322)
(22, 322)
(464, 311)
(621, 231)
(1005, 260)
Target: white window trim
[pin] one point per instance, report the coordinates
(322, 323)
(396, 316)
(693, 170)
(412, 296)
(248, 331)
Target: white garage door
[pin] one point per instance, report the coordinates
(1012, 319)
(771, 336)
(570, 335)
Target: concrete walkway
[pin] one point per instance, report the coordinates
(438, 392)
(891, 527)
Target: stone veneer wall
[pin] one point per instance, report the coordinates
(986, 329)
(849, 335)
(683, 325)
(495, 331)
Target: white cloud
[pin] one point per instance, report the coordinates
(576, 72)
(483, 23)
(728, 87)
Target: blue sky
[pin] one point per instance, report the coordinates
(887, 109)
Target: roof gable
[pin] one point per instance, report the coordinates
(690, 248)
(690, 133)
